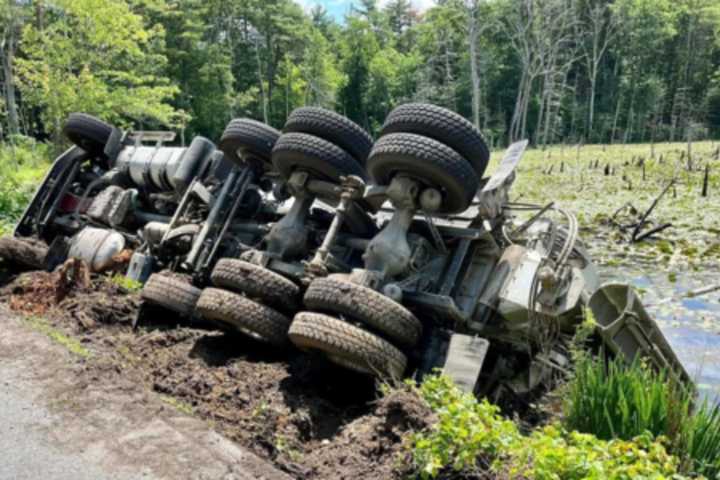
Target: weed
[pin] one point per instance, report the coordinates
(72, 345)
(178, 405)
(282, 445)
(128, 284)
(261, 410)
(471, 438)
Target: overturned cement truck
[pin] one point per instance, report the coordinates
(390, 257)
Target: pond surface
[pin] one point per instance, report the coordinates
(691, 325)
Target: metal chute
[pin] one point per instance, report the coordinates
(627, 329)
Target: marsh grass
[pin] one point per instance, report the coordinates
(615, 400)
(576, 179)
(700, 441)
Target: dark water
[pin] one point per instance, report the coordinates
(691, 325)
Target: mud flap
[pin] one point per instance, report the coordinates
(465, 358)
(626, 328)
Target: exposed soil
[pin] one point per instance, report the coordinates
(311, 419)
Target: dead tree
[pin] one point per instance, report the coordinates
(600, 25)
(521, 28)
(473, 34)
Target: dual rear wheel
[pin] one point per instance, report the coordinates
(355, 327)
(435, 147)
(236, 302)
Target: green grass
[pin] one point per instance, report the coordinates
(615, 400)
(178, 405)
(701, 441)
(70, 344)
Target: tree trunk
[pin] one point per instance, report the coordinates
(474, 75)
(263, 96)
(591, 109)
(8, 75)
(39, 15)
(526, 106)
(515, 122)
(615, 120)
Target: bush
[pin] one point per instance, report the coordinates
(471, 437)
(22, 166)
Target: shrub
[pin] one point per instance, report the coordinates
(22, 166)
(470, 436)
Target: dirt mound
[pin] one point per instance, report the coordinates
(373, 446)
(281, 405)
(31, 293)
(72, 294)
(308, 417)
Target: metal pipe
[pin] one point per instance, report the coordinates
(242, 187)
(212, 217)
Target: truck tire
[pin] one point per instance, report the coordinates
(235, 312)
(442, 125)
(87, 132)
(432, 163)
(347, 345)
(173, 294)
(245, 137)
(256, 282)
(319, 157)
(386, 316)
(332, 127)
(22, 252)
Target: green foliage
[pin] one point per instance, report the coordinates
(319, 72)
(194, 64)
(616, 400)
(22, 166)
(700, 441)
(467, 430)
(470, 436)
(200, 66)
(127, 284)
(99, 57)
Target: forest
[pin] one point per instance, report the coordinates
(553, 71)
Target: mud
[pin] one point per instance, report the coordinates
(309, 418)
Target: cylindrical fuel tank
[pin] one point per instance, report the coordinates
(151, 167)
(97, 247)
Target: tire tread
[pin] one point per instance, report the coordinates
(368, 353)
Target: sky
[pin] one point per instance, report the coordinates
(339, 8)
